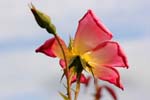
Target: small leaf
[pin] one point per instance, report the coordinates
(70, 43)
(62, 77)
(63, 96)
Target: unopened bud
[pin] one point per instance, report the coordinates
(43, 20)
(51, 28)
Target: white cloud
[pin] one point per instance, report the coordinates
(138, 54)
(27, 72)
(17, 21)
(136, 78)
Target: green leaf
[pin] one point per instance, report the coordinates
(63, 96)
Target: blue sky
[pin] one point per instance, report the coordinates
(25, 75)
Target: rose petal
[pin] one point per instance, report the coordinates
(90, 33)
(108, 53)
(87, 81)
(98, 94)
(51, 48)
(109, 74)
(111, 91)
(62, 63)
(83, 79)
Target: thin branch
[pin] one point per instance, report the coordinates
(77, 87)
(66, 70)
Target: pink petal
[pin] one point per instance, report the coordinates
(83, 79)
(87, 81)
(98, 94)
(111, 91)
(109, 74)
(74, 79)
(109, 53)
(62, 63)
(90, 33)
(51, 48)
(46, 48)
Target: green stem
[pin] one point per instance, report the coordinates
(66, 70)
(77, 87)
(96, 89)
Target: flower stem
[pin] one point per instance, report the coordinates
(77, 87)
(97, 89)
(66, 70)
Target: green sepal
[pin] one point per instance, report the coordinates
(62, 76)
(77, 63)
(63, 96)
(90, 67)
(70, 46)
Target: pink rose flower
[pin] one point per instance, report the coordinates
(92, 48)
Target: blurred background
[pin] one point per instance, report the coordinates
(25, 75)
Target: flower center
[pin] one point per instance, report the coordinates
(80, 62)
(77, 64)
